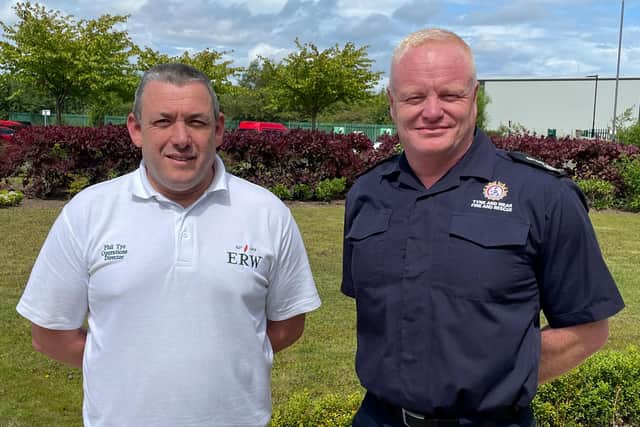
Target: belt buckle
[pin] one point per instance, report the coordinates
(412, 415)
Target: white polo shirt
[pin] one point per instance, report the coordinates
(177, 299)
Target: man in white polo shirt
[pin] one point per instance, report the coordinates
(190, 278)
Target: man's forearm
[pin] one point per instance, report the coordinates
(284, 333)
(563, 349)
(63, 346)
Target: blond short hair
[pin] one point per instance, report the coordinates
(428, 35)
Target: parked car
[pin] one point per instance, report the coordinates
(13, 124)
(6, 133)
(262, 126)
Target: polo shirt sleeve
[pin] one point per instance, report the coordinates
(576, 285)
(292, 290)
(56, 294)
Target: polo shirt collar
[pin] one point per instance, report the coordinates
(141, 188)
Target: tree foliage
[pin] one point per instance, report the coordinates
(374, 109)
(67, 58)
(309, 80)
(209, 61)
(482, 101)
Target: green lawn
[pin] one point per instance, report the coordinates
(37, 392)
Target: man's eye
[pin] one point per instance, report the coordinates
(198, 123)
(450, 97)
(161, 122)
(413, 100)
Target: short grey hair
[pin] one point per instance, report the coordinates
(177, 74)
(428, 35)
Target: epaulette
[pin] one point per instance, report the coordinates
(521, 157)
(375, 165)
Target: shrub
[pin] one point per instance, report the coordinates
(603, 391)
(630, 135)
(629, 169)
(52, 155)
(78, 182)
(599, 193)
(281, 191)
(10, 198)
(330, 189)
(302, 192)
(582, 159)
(296, 157)
(301, 410)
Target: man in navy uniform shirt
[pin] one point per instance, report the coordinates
(451, 251)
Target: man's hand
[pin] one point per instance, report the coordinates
(63, 346)
(565, 348)
(283, 333)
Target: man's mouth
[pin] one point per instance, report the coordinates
(180, 157)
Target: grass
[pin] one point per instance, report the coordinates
(35, 391)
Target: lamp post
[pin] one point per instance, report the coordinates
(595, 99)
(615, 100)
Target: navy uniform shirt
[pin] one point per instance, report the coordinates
(449, 281)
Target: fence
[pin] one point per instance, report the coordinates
(372, 131)
(603, 133)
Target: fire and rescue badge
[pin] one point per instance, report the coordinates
(493, 193)
(495, 190)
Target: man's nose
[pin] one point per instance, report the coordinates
(180, 133)
(432, 108)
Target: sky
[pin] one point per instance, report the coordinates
(509, 38)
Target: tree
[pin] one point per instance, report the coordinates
(208, 61)
(309, 81)
(374, 109)
(65, 58)
(482, 102)
(628, 128)
(15, 96)
(250, 99)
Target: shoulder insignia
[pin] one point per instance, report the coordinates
(521, 157)
(375, 165)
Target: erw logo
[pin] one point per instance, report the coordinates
(246, 258)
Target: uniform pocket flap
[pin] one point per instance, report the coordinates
(489, 231)
(369, 223)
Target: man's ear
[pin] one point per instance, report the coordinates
(392, 111)
(219, 130)
(135, 130)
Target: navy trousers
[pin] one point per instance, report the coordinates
(375, 413)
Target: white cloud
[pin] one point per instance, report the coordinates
(364, 8)
(267, 51)
(259, 7)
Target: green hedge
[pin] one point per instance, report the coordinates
(604, 391)
(10, 198)
(599, 193)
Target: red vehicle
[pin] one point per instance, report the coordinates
(6, 133)
(262, 126)
(12, 124)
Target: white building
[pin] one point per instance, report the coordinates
(564, 104)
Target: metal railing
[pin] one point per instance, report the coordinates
(371, 130)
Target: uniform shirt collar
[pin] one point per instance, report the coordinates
(478, 161)
(141, 187)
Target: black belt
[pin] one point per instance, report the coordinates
(489, 419)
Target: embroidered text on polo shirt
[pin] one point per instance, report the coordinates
(246, 258)
(114, 251)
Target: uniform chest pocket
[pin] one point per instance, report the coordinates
(369, 223)
(487, 258)
(369, 255)
(489, 232)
